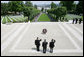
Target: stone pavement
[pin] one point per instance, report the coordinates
(17, 39)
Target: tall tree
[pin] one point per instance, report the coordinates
(27, 12)
(53, 5)
(4, 8)
(42, 9)
(79, 7)
(67, 4)
(35, 6)
(20, 6)
(74, 7)
(60, 12)
(30, 12)
(28, 4)
(15, 6)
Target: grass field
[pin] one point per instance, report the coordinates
(13, 19)
(44, 17)
(71, 16)
(4, 20)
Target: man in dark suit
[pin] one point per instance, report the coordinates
(44, 45)
(76, 21)
(80, 21)
(37, 43)
(51, 45)
(73, 21)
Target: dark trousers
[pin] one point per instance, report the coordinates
(79, 22)
(44, 50)
(73, 22)
(76, 22)
(37, 48)
(51, 50)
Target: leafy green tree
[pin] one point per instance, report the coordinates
(20, 6)
(79, 8)
(48, 11)
(60, 12)
(28, 4)
(35, 6)
(45, 10)
(30, 12)
(74, 8)
(42, 9)
(27, 12)
(4, 8)
(67, 4)
(53, 5)
(15, 6)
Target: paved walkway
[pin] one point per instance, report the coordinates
(18, 39)
(36, 18)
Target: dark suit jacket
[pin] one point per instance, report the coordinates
(44, 44)
(51, 44)
(37, 42)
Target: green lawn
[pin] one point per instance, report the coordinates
(4, 20)
(44, 17)
(71, 16)
(14, 19)
(8, 20)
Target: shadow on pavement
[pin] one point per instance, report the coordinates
(41, 50)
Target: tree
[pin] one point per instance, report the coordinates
(79, 8)
(28, 4)
(27, 12)
(42, 9)
(57, 12)
(20, 6)
(67, 4)
(15, 6)
(53, 5)
(4, 8)
(74, 8)
(35, 6)
(30, 12)
(60, 12)
(45, 10)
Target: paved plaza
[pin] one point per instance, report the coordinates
(17, 39)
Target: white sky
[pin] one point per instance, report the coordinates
(40, 2)
(44, 2)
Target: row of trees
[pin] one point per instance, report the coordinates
(26, 8)
(73, 7)
(30, 12)
(12, 6)
(4, 8)
(56, 12)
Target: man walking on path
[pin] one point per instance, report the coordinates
(51, 45)
(44, 45)
(37, 43)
